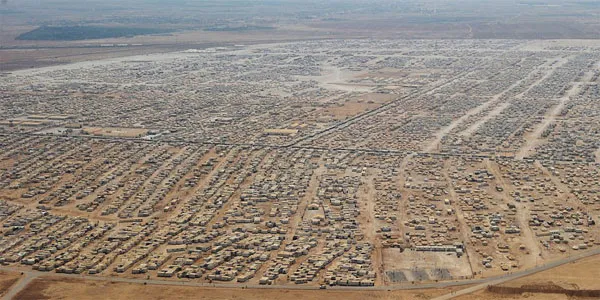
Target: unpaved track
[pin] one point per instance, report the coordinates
(368, 195)
(382, 108)
(464, 228)
(433, 145)
(504, 105)
(20, 285)
(495, 112)
(495, 99)
(521, 216)
(535, 138)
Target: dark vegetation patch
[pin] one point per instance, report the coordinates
(239, 28)
(75, 33)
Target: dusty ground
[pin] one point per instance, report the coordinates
(78, 289)
(583, 274)
(7, 280)
(114, 131)
(586, 272)
(354, 106)
(483, 295)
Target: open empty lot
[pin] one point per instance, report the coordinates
(580, 275)
(7, 280)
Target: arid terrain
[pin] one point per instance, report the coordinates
(405, 164)
(66, 289)
(256, 149)
(579, 275)
(216, 23)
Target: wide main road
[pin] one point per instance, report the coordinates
(30, 275)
